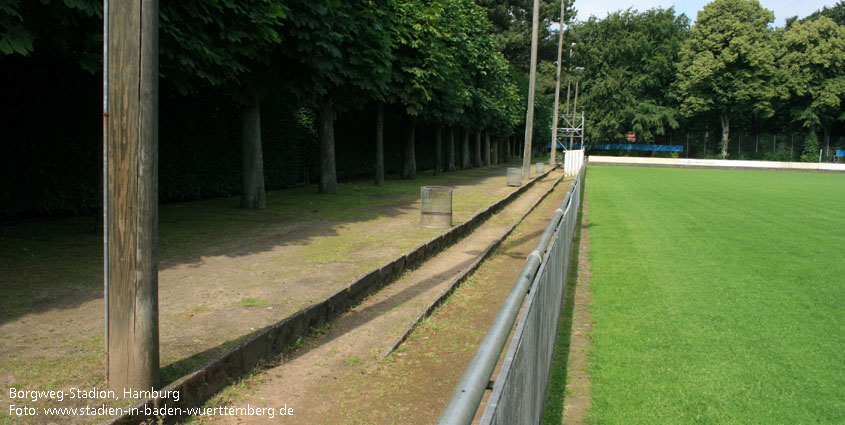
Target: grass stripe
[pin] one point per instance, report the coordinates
(718, 296)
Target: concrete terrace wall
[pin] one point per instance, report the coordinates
(727, 164)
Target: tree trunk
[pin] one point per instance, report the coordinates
(487, 161)
(306, 163)
(826, 130)
(252, 184)
(450, 150)
(328, 172)
(477, 157)
(508, 149)
(380, 145)
(409, 168)
(465, 150)
(726, 132)
(438, 151)
(131, 201)
(496, 142)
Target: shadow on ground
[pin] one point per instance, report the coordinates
(53, 264)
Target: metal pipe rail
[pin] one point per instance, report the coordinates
(467, 395)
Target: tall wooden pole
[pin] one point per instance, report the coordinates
(132, 193)
(532, 79)
(557, 81)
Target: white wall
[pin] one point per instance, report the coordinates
(715, 163)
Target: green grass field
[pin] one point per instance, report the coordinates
(719, 296)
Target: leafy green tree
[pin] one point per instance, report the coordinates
(59, 30)
(60, 24)
(836, 13)
(335, 54)
(222, 44)
(226, 44)
(511, 28)
(629, 61)
(484, 73)
(813, 63)
(451, 97)
(727, 66)
(424, 68)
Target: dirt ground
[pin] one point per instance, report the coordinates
(337, 377)
(212, 296)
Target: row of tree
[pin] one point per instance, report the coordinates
(654, 74)
(438, 61)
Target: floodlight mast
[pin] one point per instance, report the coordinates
(532, 79)
(557, 82)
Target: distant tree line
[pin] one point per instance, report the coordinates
(654, 74)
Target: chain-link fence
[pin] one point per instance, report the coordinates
(519, 390)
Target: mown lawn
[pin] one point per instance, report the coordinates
(719, 296)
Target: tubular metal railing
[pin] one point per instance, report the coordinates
(519, 390)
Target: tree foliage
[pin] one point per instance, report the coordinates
(629, 60)
(221, 43)
(727, 66)
(511, 23)
(423, 61)
(728, 61)
(813, 62)
(56, 28)
(836, 13)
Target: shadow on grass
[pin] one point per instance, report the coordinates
(556, 393)
(50, 264)
(318, 337)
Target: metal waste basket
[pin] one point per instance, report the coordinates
(514, 176)
(540, 167)
(436, 206)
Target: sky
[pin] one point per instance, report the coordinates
(782, 8)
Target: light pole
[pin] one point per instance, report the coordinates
(557, 82)
(532, 78)
(569, 85)
(577, 69)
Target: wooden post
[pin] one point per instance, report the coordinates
(132, 194)
(532, 79)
